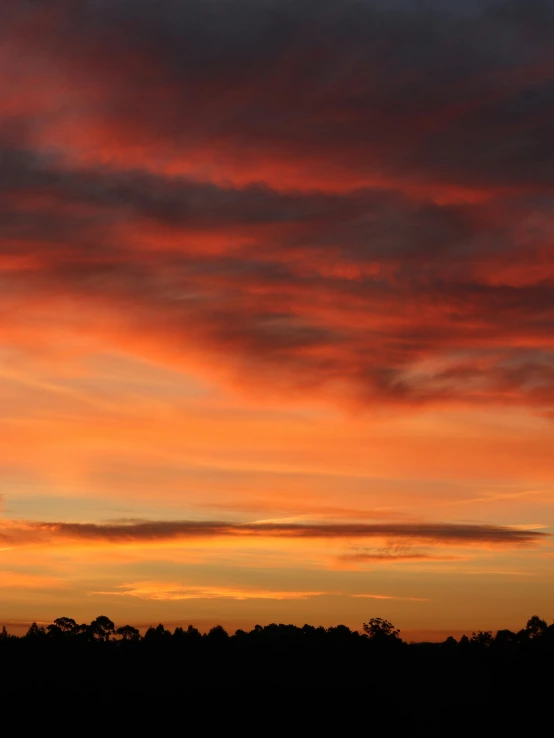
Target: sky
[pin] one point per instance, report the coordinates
(277, 312)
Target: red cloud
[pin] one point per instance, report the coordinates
(412, 261)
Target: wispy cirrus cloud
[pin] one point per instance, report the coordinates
(175, 591)
(389, 597)
(391, 554)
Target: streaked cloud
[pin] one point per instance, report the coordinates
(391, 554)
(173, 591)
(43, 533)
(389, 597)
(386, 242)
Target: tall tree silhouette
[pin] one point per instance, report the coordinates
(102, 628)
(381, 631)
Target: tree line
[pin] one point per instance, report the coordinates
(473, 684)
(377, 631)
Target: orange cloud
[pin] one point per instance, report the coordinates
(172, 591)
(389, 597)
(391, 554)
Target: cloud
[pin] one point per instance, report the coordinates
(403, 91)
(175, 591)
(352, 294)
(389, 597)
(348, 198)
(154, 532)
(391, 554)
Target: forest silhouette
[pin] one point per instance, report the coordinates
(482, 684)
(377, 636)
(429, 681)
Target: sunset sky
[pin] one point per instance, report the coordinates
(277, 312)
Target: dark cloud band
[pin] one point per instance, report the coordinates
(160, 531)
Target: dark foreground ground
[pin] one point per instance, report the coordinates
(345, 688)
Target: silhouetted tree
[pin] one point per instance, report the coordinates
(505, 638)
(102, 628)
(62, 627)
(548, 634)
(128, 633)
(189, 636)
(380, 630)
(218, 634)
(481, 638)
(339, 633)
(339, 630)
(83, 630)
(535, 627)
(66, 625)
(159, 633)
(35, 631)
(193, 635)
